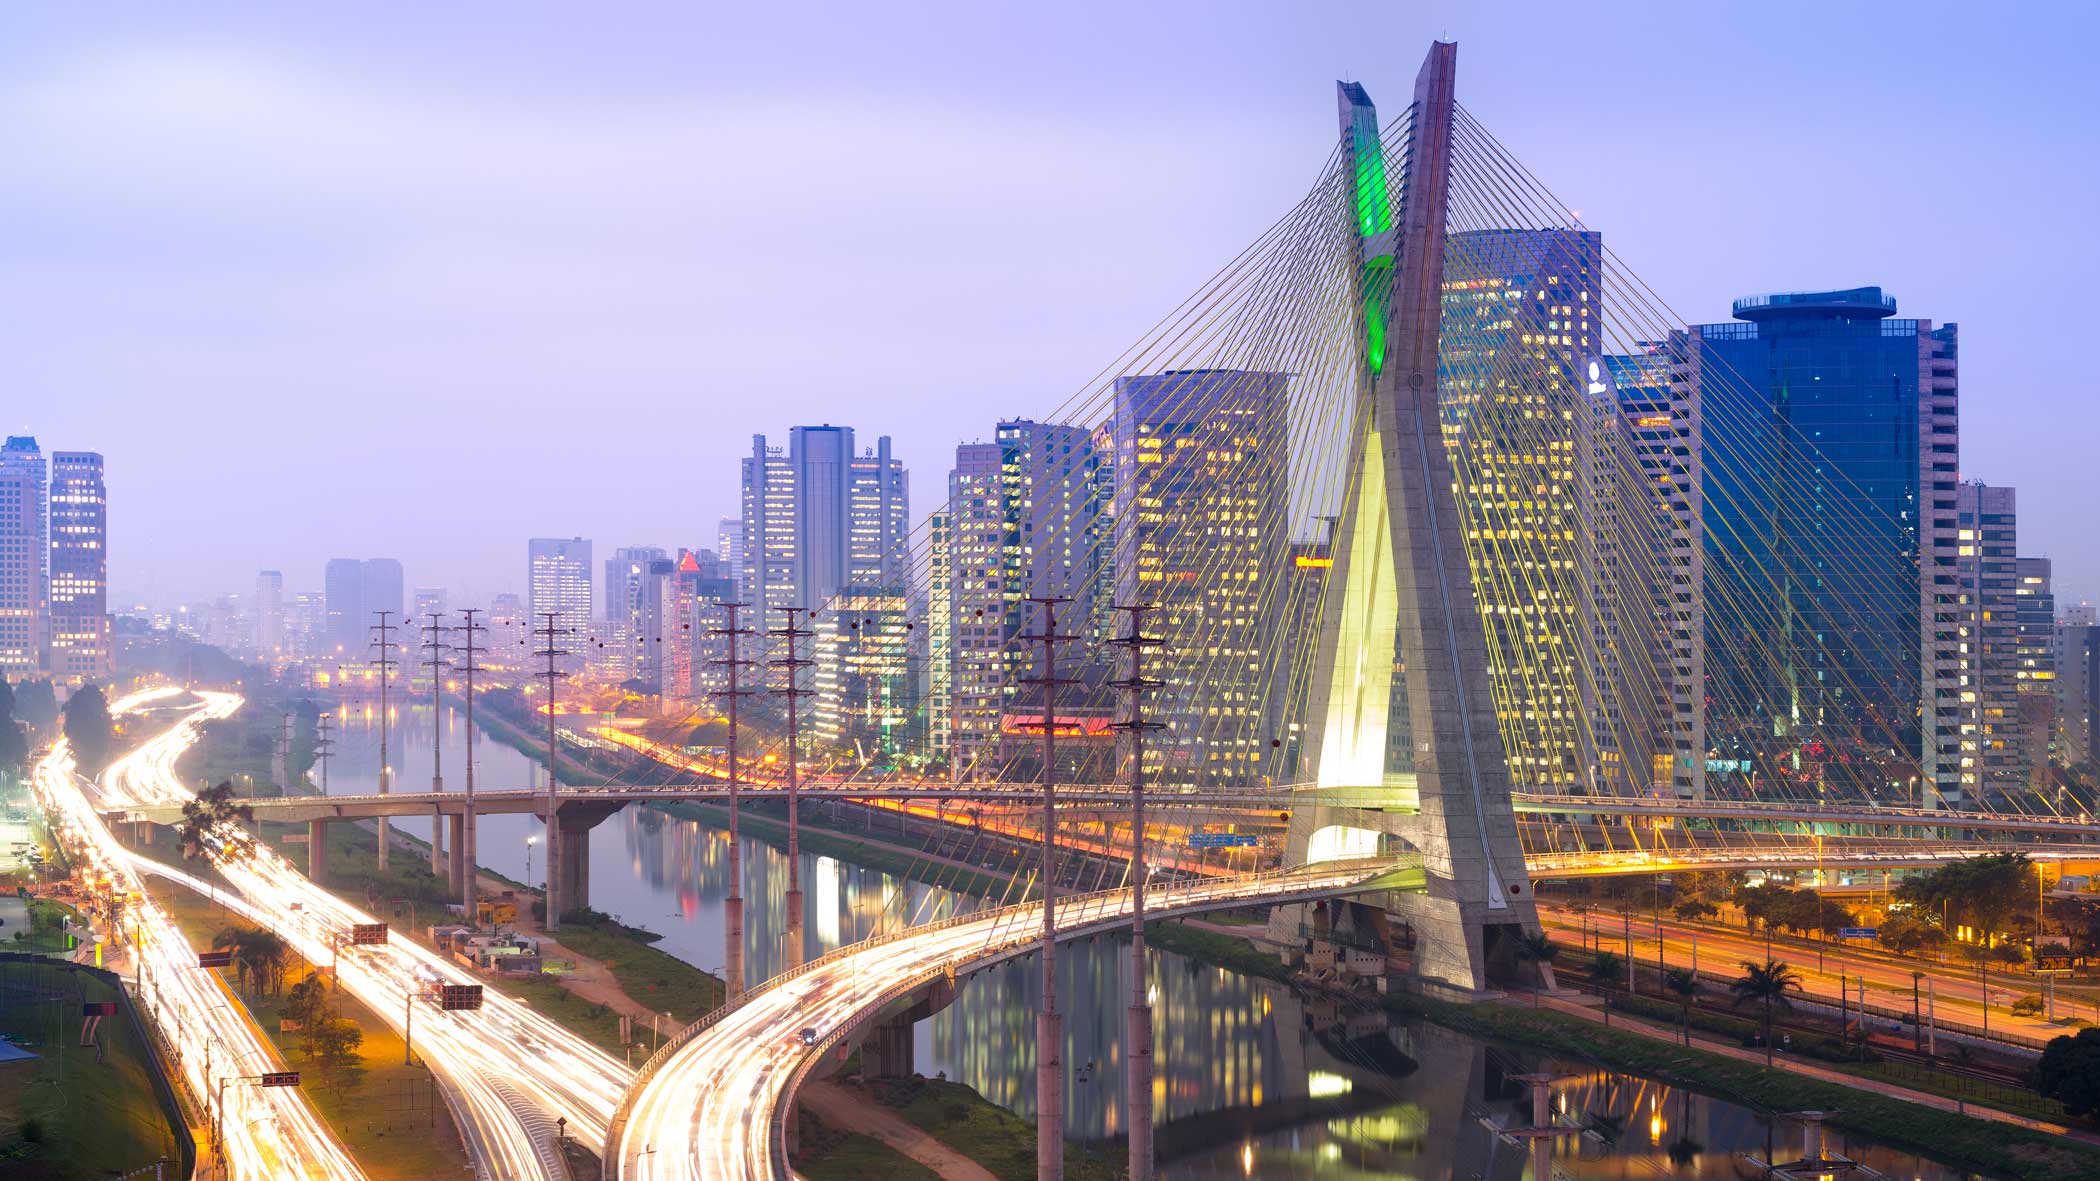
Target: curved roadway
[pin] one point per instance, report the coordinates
(712, 1103)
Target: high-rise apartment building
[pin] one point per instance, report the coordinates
(628, 580)
(819, 517)
(1830, 459)
(79, 589)
(270, 638)
(1640, 559)
(558, 579)
(1987, 630)
(1026, 516)
(23, 554)
(1522, 312)
(1201, 531)
(2035, 676)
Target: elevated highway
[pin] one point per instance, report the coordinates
(714, 1102)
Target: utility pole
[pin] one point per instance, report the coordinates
(386, 663)
(791, 667)
(549, 633)
(324, 743)
(467, 836)
(733, 906)
(1137, 1041)
(1049, 1023)
(434, 649)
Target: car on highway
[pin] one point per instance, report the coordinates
(808, 1036)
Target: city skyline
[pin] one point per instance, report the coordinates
(1023, 328)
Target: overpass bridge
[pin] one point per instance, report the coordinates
(716, 1100)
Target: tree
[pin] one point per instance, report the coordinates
(89, 728)
(307, 1003)
(1767, 983)
(1539, 950)
(14, 737)
(1605, 967)
(1691, 910)
(336, 1044)
(1903, 934)
(260, 957)
(1685, 983)
(235, 939)
(2069, 1072)
(207, 824)
(37, 704)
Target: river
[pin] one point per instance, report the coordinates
(1251, 1080)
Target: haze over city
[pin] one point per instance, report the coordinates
(426, 290)
(1476, 592)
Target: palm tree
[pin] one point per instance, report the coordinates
(1537, 949)
(1767, 983)
(1604, 968)
(1685, 983)
(267, 954)
(236, 940)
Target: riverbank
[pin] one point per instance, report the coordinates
(1998, 1148)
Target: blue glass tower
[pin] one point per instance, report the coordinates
(1829, 482)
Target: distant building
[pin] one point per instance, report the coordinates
(270, 639)
(1831, 655)
(384, 588)
(866, 687)
(343, 588)
(628, 587)
(23, 554)
(698, 586)
(819, 517)
(729, 548)
(79, 595)
(558, 579)
(1201, 463)
(2035, 653)
(1987, 568)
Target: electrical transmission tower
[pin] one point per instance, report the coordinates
(468, 665)
(790, 667)
(733, 906)
(1137, 1042)
(324, 743)
(1049, 1023)
(386, 663)
(550, 633)
(434, 649)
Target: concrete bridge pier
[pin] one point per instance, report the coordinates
(458, 855)
(437, 841)
(888, 1050)
(316, 850)
(571, 873)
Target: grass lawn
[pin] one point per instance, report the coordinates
(1995, 1149)
(393, 1122)
(90, 1118)
(657, 979)
(828, 1154)
(987, 1133)
(1217, 949)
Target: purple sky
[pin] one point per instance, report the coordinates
(328, 282)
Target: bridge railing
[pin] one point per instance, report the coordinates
(656, 1061)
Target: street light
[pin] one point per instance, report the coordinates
(529, 843)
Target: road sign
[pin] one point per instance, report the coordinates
(459, 996)
(1222, 840)
(2055, 963)
(1859, 932)
(214, 959)
(98, 1008)
(281, 1078)
(365, 934)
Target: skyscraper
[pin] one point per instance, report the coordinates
(270, 639)
(1025, 516)
(2075, 651)
(2035, 653)
(382, 587)
(79, 595)
(1830, 460)
(1201, 489)
(818, 517)
(343, 587)
(558, 579)
(729, 549)
(1521, 311)
(22, 558)
(628, 583)
(1987, 629)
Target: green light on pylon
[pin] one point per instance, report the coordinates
(1374, 336)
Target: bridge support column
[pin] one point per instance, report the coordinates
(437, 842)
(888, 1051)
(575, 890)
(316, 849)
(460, 868)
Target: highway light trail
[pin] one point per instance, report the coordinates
(712, 1106)
(507, 1073)
(269, 1133)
